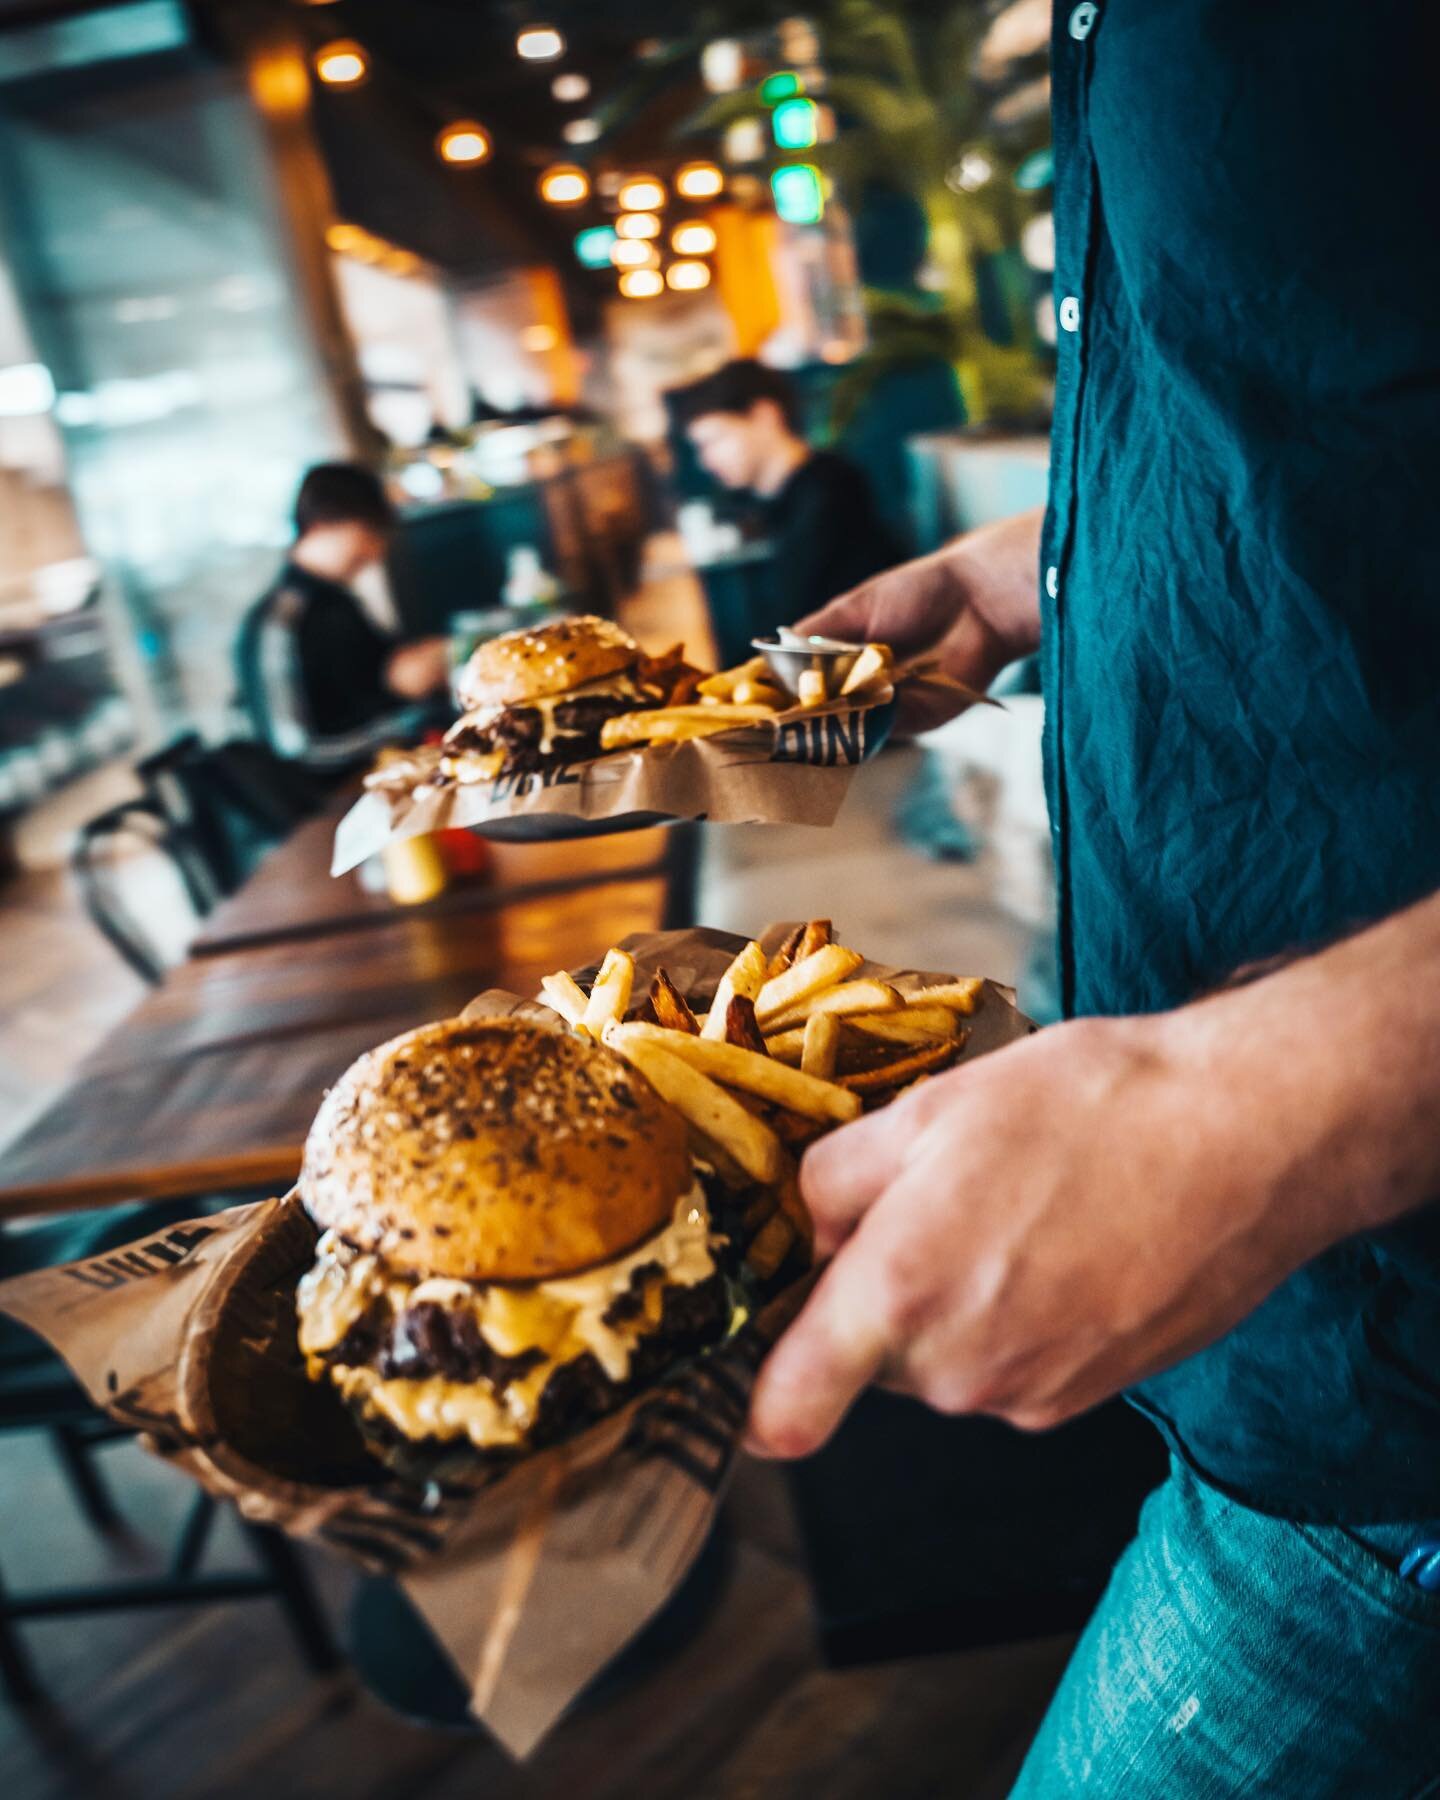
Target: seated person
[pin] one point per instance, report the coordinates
(321, 682)
(820, 516)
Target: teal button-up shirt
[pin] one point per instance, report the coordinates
(1241, 657)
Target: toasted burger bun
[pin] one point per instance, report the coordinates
(499, 1150)
(550, 659)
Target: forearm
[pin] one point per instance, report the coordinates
(1332, 1066)
(997, 567)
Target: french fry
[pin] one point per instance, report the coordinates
(787, 1046)
(682, 731)
(795, 1209)
(701, 1102)
(819, 1046)
(771, 1244)
(722, 684)
(785, 955)
(740, 1025)
(661, 721)
(670, 1006)
(816, 935)
(760, 693)
(810, 689)
(611, 993)
(744, 1069)
(844, 997)
(794, 1130)
(720, 1160)
(564, 995)
(745, 977)
(906, 1024)
(904, 1070)
(959, 996)
(871, 665)
(759, 1208)
(801, 979)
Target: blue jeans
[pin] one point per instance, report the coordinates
(1234, 1653)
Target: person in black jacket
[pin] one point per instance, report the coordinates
(321, 682)
(821, 518)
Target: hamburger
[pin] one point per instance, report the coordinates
(514, 1239)
(541, 696)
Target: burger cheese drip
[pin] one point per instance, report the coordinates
(477, 724)
(531, 1328)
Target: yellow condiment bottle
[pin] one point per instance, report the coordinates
(414, 870)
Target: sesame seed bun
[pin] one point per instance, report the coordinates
(548, 659)
(499, 1150)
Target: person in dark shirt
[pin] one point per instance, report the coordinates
(825, 530)
(1216, 1185)
(321, 682)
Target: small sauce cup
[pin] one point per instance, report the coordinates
(789, 655)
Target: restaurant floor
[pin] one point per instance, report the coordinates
(214, 1701)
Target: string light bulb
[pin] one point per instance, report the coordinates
(570, 86)
(341, 63)
(564, 185)
(633, 253)
(638, 225)
(687, 277)
(642, 193)
(642, 284)
(580, 131)
(699, 181)
(463, 142)
(539, 43)
(694, 239)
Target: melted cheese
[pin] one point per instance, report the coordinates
(621, 686)
(562, 1318)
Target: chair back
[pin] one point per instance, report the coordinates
(211, 811)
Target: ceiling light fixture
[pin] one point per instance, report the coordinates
(463, 142)
(642, 193)
(687, 277)
(539, 43)
(695, 239)
(642, 284)
(342, 63)
(564, 185)
(633, 253)
(699, 181)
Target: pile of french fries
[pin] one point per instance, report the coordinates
(741, 696)
(792, 1045)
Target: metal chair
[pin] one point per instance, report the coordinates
(93, 866)
(37, 1392)
(212, 811)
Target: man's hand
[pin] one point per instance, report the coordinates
(1041, 1228)
(975, 604)
(415, 671)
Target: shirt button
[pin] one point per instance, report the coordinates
(1082, 20)
(1070, 313)
(1052, 582)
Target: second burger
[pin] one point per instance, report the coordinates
(541, 696)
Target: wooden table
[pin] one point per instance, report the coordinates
(212, 1081)
(293, 896)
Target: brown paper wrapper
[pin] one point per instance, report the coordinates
(532, 1583)
(794, 769)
